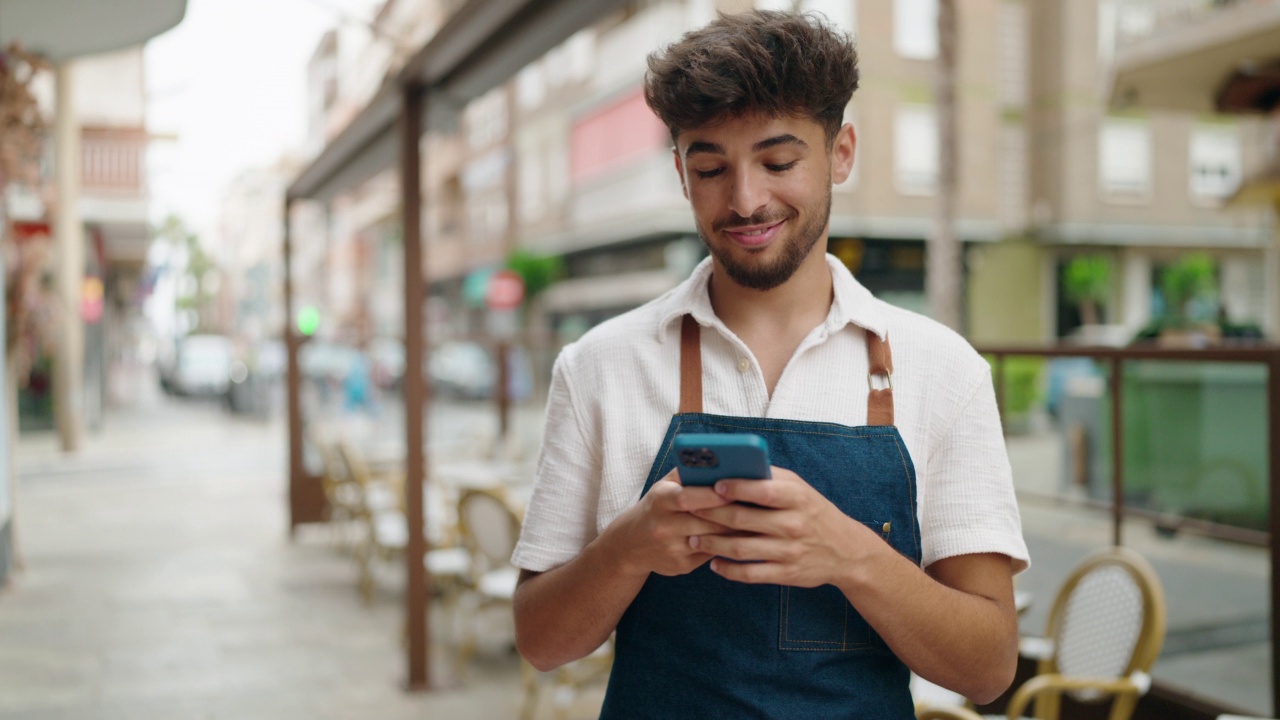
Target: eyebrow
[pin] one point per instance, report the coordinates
(715, 149)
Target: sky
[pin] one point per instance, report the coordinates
(228, 86)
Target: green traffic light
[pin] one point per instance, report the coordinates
(308, 320)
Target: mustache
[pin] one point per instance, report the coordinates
(761, 218)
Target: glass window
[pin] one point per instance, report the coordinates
(915, 28)
(915, 148)
(1215, 159)
(531, 86)
(1124, 157)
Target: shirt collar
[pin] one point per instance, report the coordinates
(853, 304)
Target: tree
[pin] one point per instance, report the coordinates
(1086, 282)
(1193, 277)
(193, 263)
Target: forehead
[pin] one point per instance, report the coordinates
(741, 134)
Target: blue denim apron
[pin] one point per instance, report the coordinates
(700, 646)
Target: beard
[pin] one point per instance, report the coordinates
(767, 276)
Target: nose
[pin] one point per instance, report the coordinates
(748, 193)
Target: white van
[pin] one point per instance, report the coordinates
(204, 365)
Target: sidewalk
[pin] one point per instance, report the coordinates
(161, 583)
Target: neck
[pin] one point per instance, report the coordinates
(797, 305)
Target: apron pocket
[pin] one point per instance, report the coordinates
(823, 619)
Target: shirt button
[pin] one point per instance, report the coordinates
(744, 365)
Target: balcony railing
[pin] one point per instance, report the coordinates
(1138, 19)
(113, 162)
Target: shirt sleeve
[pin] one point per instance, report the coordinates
(561, 517)
(968, 505)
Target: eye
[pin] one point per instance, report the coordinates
(705, 174)
(781, 168)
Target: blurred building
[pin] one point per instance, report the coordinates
(110, 107)
(250, 237)
(98, 229)
(567, 160)
(1214, 59)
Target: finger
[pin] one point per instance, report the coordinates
(751, 573)
(738, 547)
(672, 476)
(765, 493)
(672, 497)
(744, 518)
(690, 526)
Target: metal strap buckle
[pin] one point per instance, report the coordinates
(888, 380)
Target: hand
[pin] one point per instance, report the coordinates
(790, 533)
(655, 532)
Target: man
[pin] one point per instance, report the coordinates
(888, 536)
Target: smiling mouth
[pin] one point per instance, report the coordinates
(754, 236)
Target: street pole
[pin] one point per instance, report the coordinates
(943, 267)
(418, 580)
(68, 374)
(293, 385)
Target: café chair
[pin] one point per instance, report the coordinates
(1105, 631)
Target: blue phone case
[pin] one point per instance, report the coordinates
(703, 458)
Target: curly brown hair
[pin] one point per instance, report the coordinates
(773, 63)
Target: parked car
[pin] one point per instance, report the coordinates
(202, 366)
(462, 369)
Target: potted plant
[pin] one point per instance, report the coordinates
(1192, 278)
(1086, 282)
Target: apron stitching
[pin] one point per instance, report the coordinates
(914, 510)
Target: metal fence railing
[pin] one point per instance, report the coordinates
(1190, 439)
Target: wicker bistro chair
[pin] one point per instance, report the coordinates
(341, 493)
(386, 532)
(1106, 628)
(489, 528)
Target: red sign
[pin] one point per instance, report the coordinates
(505, 291)
(24, 231)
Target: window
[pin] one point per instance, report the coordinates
(487, 118)
(915, 28)
(530, 185)
(582, 54)
(1122, 21)
(1215, 160)
(915, 149)
(1124, 157)
(531, 86)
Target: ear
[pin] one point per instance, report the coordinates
(684, 187)
(843, 150)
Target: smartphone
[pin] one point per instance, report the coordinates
(704, 458)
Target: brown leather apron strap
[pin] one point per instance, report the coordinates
(879, 401)
(690, 366)
(880, 362)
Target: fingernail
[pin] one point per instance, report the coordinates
(721, 488)
(694, 542)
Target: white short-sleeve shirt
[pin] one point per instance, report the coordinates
(614, 391)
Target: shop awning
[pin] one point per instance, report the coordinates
(482, 45)
(62, 29)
